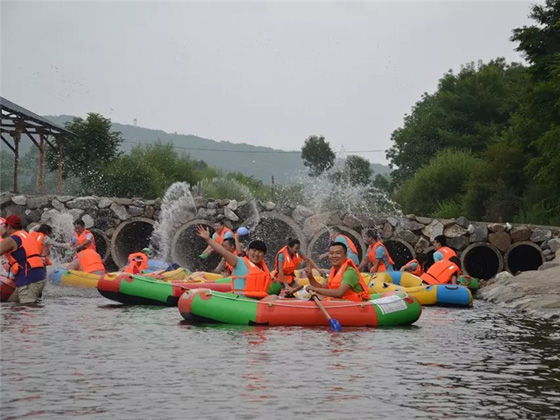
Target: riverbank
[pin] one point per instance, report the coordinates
(537, 292)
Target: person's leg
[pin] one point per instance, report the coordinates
(31, 293)
(14, 298)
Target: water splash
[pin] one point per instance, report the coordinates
(177, 207)
(62, 223)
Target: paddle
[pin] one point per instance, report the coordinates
(335, 325)
(297, 289)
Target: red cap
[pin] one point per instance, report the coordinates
(13, 220)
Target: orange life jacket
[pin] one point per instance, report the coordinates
(335, 280)
(350, 243)
(419, 270)
(90, 261)
(134, 266)
(447, 252)
(257, 280)
(32, 254)
(82, 238)
(371, 254)
(228, 265)
(441, 272)
(220, 236)
(290, 264)
(39, 237)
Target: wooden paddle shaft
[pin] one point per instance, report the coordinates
(320, 306)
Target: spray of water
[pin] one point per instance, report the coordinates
(62, 223)
(177, 207)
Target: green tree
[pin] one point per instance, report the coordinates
(317, 155)
(94, 146)
(358, 169)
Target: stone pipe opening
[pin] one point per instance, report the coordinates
(319, 244)
(102, 243)
(400, 251)
(523, 256)
(275, 229)
(130, 236)
(186, 247)
(482, 261)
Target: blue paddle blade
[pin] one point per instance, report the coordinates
(335, 325)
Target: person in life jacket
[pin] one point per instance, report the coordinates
(416, 266)
(234, 246)
(443, 271)
(287, 260)
(440, 244)
(88, 261)
(26, 265)
(137, 262)
(42, 234)
(337, 236)
(251, 277)
(377, 254)
(221, 232)
(345, 280)
(83, 238)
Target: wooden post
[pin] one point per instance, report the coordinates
(41, 163)
(59, 144)
(16, 135)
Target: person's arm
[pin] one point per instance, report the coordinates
(364, 262)
(406, 267)
(335, 293)
(311, 278)
(230, 257)
(84, 245)
(74, 265)
(238, 246)
(454, 278)
(220, 268)
(7, 245)
(280, 273)
(52, 242)
(310, 262)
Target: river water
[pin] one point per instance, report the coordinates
(79, 356)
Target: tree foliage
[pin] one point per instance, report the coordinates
(317, 155)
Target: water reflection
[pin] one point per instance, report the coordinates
(79, 357)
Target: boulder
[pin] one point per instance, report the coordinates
(315, 223)
(393, 221)
(149, 212)
(135, 211)
(547, 252)
(20, 200)
(269, 206)
(206, 213)
(500, 240)
(411, 225)
(200, 202)
(504, 275)
(222, 202)
(33, 215)
(458, 242)
(82, 203)
(554, 244)
(301, 213)
(454, 231)
(232, 205)
(212, 205)
(104, 203)
(422, 245)
(64, 198)
(424, 220)
(76, 213)
(479, 234)
(37, 202)
(387, 231)
(447, 222)
(57, 204)
(463, 222)
(230, 215)
(138, 203)
(88, 221)
(5, 198)
(109, 232)
(407, 236)
(547, 265)
(541, 235)
(246, 210)
(120, 211)
(496, 227)
(520, 233)
(351, 221)
(123, 201)
(435, 228)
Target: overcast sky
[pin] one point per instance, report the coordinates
(269, 74)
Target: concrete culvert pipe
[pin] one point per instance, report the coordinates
(523, 256)
(275, 229)
(400, 251)
(320, 242)
(102, 243)
(482, 260)
(186, 247)
(130, 236)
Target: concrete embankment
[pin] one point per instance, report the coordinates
(537, 292)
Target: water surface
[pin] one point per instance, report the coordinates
(80, 356)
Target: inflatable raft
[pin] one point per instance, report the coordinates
(387, 309)
(440, 294)
(7, 287)
(141, 290)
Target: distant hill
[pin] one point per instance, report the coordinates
(244, 158)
